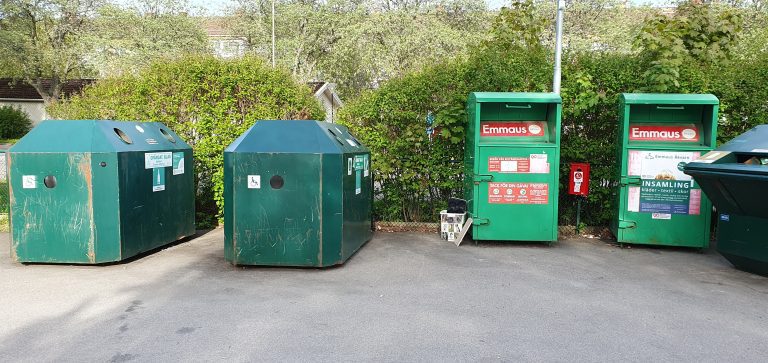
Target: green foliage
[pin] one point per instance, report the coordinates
(209, 102)
(416, 175)
(14, 123)
(127, 39)
(698, 32)
(517, 27)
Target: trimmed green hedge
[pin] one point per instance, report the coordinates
(208, 101)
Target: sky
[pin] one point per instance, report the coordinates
(215, 7)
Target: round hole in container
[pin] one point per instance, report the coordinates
(50, 181)
(123, 136)
(103, 164)
(167, 136)
(276, 182)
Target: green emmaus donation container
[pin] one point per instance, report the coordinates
(88, 192)
(511, 165)
(657, 203)
(296, 193)
(735, 177)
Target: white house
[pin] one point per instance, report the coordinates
(19, 94)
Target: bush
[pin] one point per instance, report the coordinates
(209, 102)
(417, 176)
(14, 123)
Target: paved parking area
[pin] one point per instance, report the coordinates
(403, 297)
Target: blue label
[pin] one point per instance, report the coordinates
(725, 217)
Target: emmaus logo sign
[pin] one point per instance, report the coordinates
(685, 133)
(512, 129)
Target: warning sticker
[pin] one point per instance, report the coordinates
(501, 164)
(534, 164)
(254, 181)
(158, 179)
(158, 160)
(518, 193)
(178, 163)
(29, 181)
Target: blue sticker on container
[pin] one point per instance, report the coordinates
(725, 217)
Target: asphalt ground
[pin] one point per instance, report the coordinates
(402, 297)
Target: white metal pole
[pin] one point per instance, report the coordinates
(558, 46)
(273, 34)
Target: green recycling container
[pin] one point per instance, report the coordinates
(511, 165)
(296, 193)
(89, 192)
(735, 177)
(657, 203)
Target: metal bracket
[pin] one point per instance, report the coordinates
(480, 221)
(625, 224)
(482, 178)
(630, 180)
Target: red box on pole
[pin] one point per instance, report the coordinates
(578, 179)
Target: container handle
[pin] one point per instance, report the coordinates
(517, 106)
(670, 107)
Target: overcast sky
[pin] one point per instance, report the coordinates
(218, 6)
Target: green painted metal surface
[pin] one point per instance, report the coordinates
(81, 194)
(658, 204)
(511, 165)
(735, 177)
(296, 193)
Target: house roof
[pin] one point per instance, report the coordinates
(20, 90)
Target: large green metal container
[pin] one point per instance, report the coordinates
(511, 165)
(88, 192)
(657, 203)
(735, 177)
(296, 193)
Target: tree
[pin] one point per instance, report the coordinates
(127, 39)
(698, 32)
(42, 39)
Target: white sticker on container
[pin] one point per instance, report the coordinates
(633, 199)
(349, 166)
(178, 163)
(29, 181)
(539, 164)
(661, 216)
(365, 171)
(254, 181)
(158, 160)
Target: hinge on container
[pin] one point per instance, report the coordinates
(623, 224)
(480, 221)
(631, 180)
(482, 177)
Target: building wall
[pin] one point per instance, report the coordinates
(34, 108)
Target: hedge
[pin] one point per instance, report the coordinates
(208, 101)
(415, 176)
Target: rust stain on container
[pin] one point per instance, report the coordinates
(85, 169)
